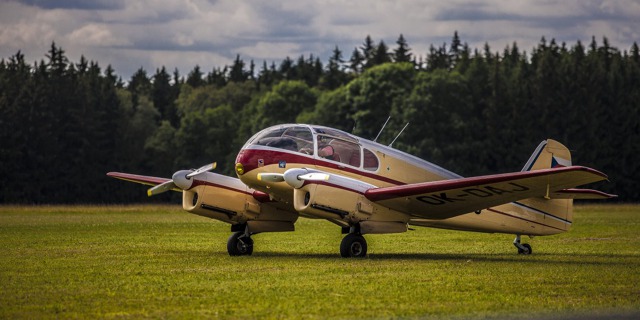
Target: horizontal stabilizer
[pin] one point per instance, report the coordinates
(584, 194)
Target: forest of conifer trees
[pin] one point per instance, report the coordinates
(64, 124)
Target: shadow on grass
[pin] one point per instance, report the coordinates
(542, 258)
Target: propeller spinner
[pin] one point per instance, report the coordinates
(181, 180)
(294, 177)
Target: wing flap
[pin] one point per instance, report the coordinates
(449, 198)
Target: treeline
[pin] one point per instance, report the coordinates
(64, 124)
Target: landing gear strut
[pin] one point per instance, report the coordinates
(523, 248)
(353, 245)
(240, 244)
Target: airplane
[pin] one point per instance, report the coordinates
(297, 170)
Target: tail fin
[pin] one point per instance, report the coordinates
(551, 154)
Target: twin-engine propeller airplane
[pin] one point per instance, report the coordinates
(296, 170)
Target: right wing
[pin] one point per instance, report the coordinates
(449, 198)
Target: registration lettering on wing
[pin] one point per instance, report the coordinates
(468, 193)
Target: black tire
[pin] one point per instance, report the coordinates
(353, 246)
(239, 244)
(527, 250)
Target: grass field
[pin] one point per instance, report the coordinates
(161, 262)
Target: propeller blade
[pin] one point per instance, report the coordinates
(163, 187)
(271, 177)
(202, 169)
(315, 176)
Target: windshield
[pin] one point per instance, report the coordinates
(298, 139)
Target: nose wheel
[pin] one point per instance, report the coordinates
(240, 244)
(353, 245)
(523, 248)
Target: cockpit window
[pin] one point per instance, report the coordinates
(370, 162)
(297, 139)
(339, 150)
(334, 133)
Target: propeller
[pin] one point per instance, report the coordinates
(181, 180)
(315, 176)
(205, 168)
(294, 177)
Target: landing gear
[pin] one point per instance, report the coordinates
(353, 245)
(523, 248)
(240, 244)
(527, 249)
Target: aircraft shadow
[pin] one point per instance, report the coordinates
(539, 258)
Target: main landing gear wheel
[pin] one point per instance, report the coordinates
(523, 248)
(239, 244)
(353, 245)
(527, 249)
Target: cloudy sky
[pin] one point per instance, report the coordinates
(209, 33)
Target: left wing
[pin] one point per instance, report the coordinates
(147, 180)
(161, 184)
(449, 198)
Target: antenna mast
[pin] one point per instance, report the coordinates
(384, 125)
(401, 131)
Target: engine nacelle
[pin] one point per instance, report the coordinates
(335, 203)
(234, 203)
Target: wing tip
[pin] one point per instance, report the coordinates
(593, 171)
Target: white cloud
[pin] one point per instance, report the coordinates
(270, 51)
(96, 35)
(152, 33)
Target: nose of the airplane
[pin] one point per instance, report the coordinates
(242, 163)
(250, 159)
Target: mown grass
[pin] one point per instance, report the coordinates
(161, 262)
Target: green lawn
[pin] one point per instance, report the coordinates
(161, 262)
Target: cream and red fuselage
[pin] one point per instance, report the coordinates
(527, 217)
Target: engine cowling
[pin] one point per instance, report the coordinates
(336, 197)
(229, 200)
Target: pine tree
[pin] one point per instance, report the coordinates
(195, 77)
(368, 52)
(356, 62)
(218, 77)
(402, 53)
(335, 75)
(381, 55)
(237, 72)
(287, 69)
(455, 50)
(164, 97)
(139, 85)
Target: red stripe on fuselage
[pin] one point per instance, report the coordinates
(249, 158)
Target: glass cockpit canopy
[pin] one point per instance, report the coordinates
(292, 138)
(332, 145)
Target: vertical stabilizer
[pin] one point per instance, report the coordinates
(550, 154)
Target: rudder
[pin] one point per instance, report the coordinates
(551, 154)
